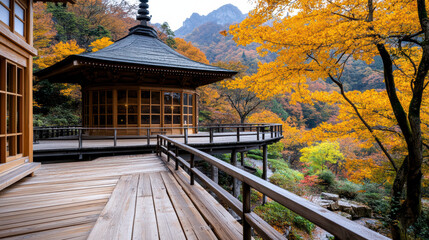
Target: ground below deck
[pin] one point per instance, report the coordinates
(127, 197)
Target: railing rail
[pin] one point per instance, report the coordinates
(261, 131)
(337, 225)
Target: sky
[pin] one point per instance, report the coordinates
(175, 12)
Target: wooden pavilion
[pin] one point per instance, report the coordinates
(16, 86)
(137, 82)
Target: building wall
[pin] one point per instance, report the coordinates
(16, 74)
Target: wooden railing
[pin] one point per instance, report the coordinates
(337, 225)
(260, 131)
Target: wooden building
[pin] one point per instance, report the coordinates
(16, 74)
(137, 82)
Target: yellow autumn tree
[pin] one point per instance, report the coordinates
(100, 44)
(44, 30)
(57, 53)
(188, 50)
(315, 39)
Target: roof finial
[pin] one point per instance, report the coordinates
(143, 15)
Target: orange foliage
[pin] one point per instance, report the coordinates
(100, 44)
(44, 30)
(58, 53)
(190, 51)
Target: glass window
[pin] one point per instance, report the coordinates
(185, 99)
(156, 97)
(156, 109)
(109, 97)
(176, 98)
(19, 11)
(190, 99)
(132, 109)
(19, 19)
(6, 3)
(167, 119)
(132, 97)
(122, 109)
(167, 98)
(145, 96)
(167, 109)
(176, 110)
(156, 119)
(145, 109)
(132, 119)
(5, 12)
(145, 119)
(122, 119)
(19, 26)
(176, 119)
(122, 97)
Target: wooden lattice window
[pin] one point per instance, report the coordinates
(16, 21)
(11, 111)
(188, 110)
(172, 108)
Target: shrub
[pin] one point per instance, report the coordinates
(347, 189)
(255, 152)
(257, 157)
(281, 218)
(375, 196)
(420, 229)
(326, 177)
(278, 164)
(288, 179)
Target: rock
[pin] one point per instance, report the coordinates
(345, 207)
(334, 206)
(330, 196)
(361, 210)
(346, 215)
(326, 203)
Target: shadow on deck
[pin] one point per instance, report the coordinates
(128, 197)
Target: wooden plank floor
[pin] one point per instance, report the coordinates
(126, 197)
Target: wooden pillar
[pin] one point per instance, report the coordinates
(264, 169)
(215, 174)
(235, 182)
(115, 108)
(3, 107)
(242, 158)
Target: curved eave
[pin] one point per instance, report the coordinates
(74, 62)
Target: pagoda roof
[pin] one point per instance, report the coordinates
(141, 48)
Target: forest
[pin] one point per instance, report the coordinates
(346, 79)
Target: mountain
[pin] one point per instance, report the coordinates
(224, 15)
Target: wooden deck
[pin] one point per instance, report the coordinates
(127, 197)
(194, 139)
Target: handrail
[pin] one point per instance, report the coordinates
(337, 225)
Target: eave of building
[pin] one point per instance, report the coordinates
(71, 66)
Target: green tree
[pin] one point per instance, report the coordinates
(318, 156)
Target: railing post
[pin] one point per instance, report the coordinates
(148, 136)
(157, 146)
(242, 158)
(115, 137)
(211, 134)
(263, 133)
(168, 151)
(271, 132)
(192, 169)
(80, 139)
(257, 133)
(238, 134)
(264, 169)
(247, 229)
(186, 135)
(177, 160)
